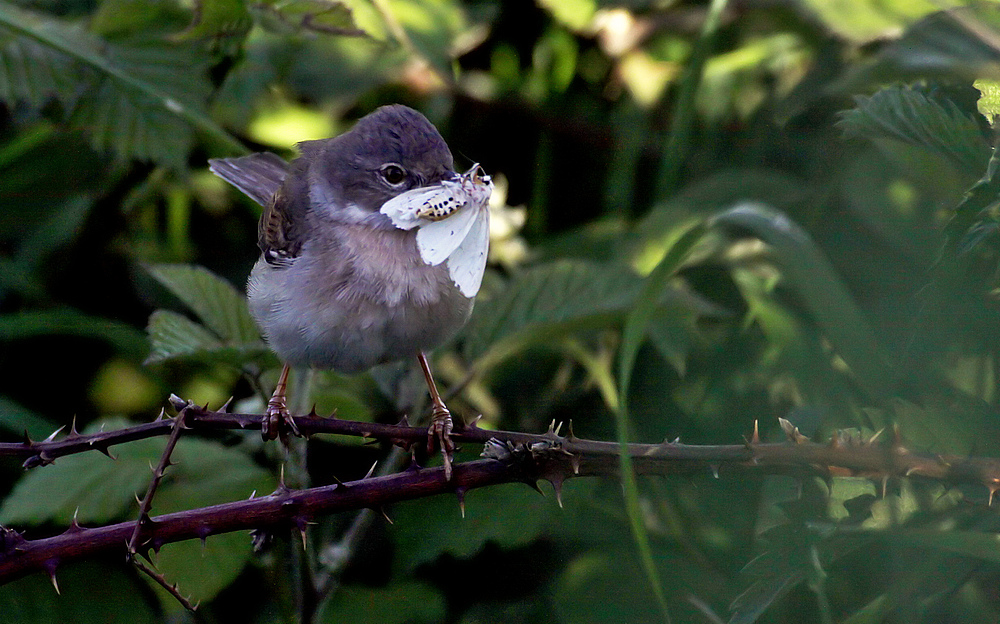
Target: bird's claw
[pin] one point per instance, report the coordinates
(277, 420)
(439, 435)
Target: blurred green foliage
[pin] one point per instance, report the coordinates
(706, 216)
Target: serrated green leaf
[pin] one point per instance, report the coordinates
(174, 335)
(988, 103)
(550, 300)
(33, 73)
(398, 603)
(911, 117)
(96, 488)
(218, 304)
(133, 94)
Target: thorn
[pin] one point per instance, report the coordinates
(281, 478)
(404, 421)
(137, 499)
(252, 494)
(557, 483)
(993, 490)
(371, 471)
(333, 415)
(104, 450)
(225, 407)
(50, 567)
(475, 422)
(339, 483)
(52, 436)
(27, 439)
(161, 415)
(885, 485)
(301, 523)
(872, 439)
(460, 494)
(72, 428)
(312, 413)
(715, 470)
(574, 462)
(558, 428)
(534, 485)
(176, 402)
(791, 431)
(552, 427)
(755, 438)
(385, 515)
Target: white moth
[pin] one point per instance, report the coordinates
(453, 221)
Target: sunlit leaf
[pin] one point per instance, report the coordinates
(142, 98)
(908, 115)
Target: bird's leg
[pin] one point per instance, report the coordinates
(277, 410)
(441, 425)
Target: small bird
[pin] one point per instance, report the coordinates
(372, 250)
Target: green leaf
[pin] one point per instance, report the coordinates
(96, 488)
(546, 301)
(399, 603)
(99, 490)
(89, 593)
(633, 336)
(17, 419)
(907, 115)
(142, 98)
(322, 16)
(206, 473)
(810, 275)
(511, 515)
(953, 46)
(218, 304)
(33, 72)
(174, 335)
(989, 98)
(123, 337)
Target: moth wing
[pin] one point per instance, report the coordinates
(403, 209)
(436, 240)
(468, 263)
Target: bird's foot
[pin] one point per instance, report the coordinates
(277, 419)
(439, 435)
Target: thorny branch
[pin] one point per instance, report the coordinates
(511, 457)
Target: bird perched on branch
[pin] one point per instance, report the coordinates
(372, 250)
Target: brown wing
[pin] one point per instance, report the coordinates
(277, 186)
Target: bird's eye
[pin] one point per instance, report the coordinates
(393, 174)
